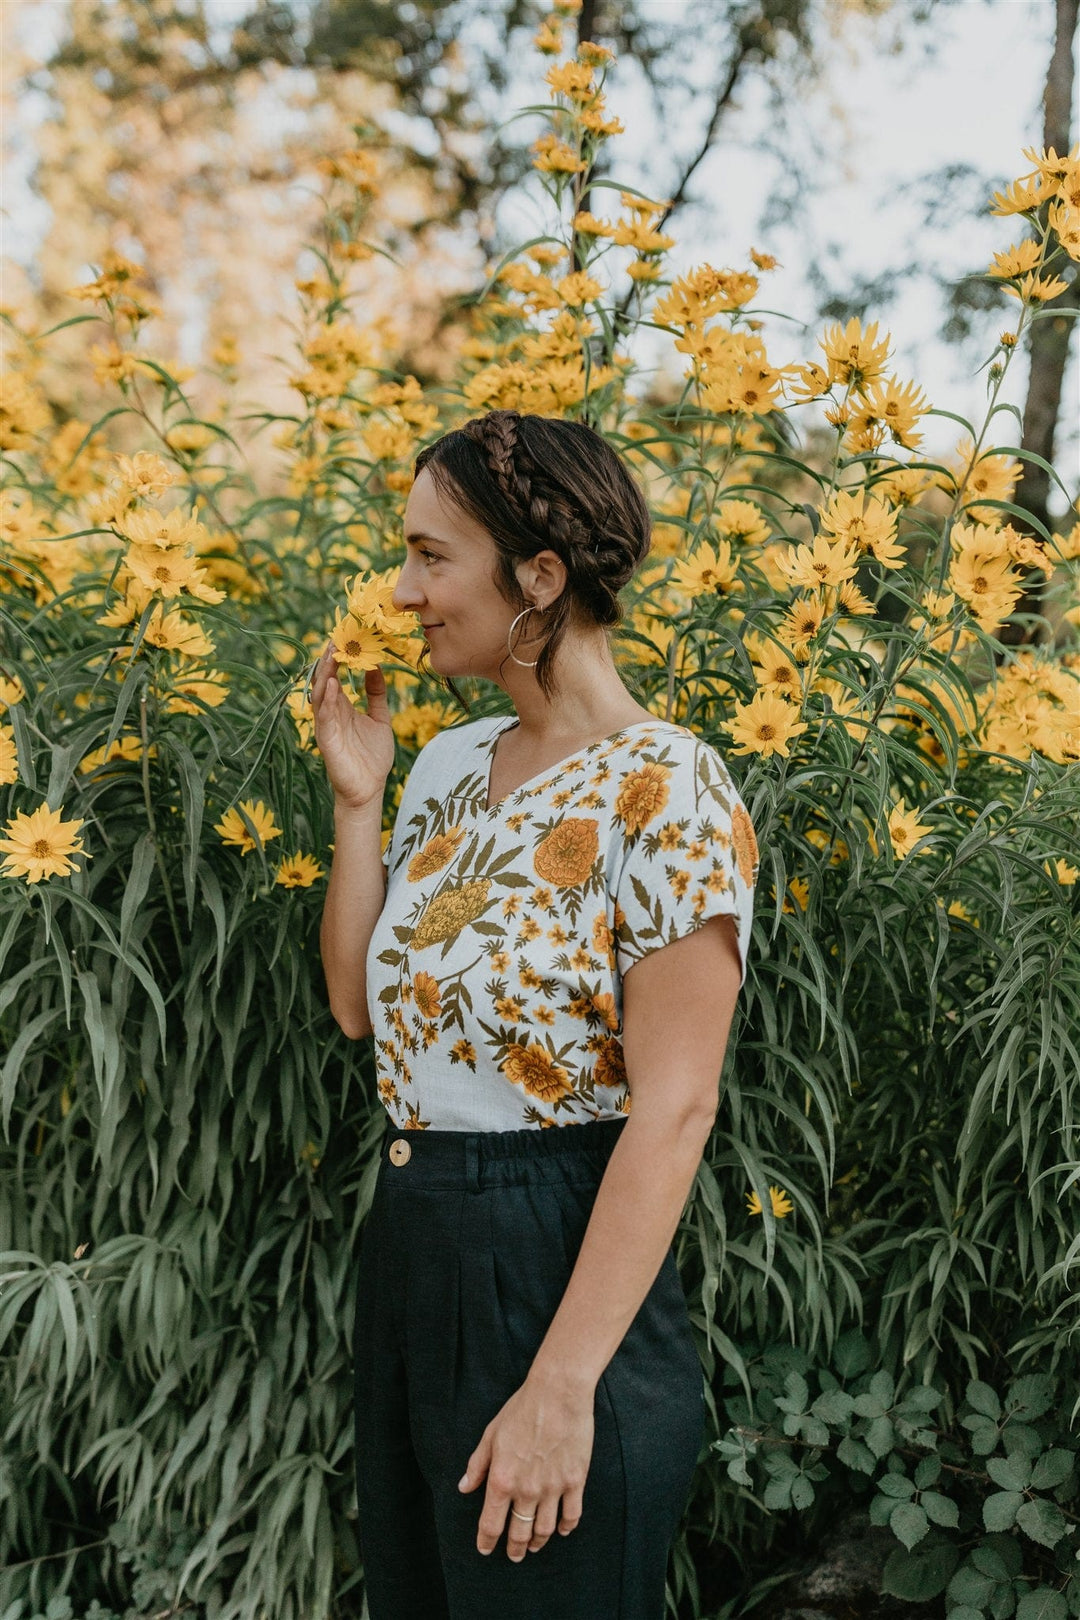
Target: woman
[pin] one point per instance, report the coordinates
(563, 930)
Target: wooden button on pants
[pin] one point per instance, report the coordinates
(465, 1256)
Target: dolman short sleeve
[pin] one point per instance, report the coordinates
(688, 853)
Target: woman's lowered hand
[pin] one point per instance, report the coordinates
(535, 1454)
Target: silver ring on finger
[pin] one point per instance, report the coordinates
(528, 1517)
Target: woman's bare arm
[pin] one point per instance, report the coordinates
(355, 895)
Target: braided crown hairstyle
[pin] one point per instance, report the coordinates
(539, 483)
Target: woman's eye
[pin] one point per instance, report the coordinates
(429, 554)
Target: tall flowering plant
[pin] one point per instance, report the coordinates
(189, 1140)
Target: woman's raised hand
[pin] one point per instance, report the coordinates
(357, 748)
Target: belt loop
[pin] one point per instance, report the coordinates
(472, 1163)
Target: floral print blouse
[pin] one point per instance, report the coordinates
(494, 974)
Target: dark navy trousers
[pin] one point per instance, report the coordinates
(465, 1256)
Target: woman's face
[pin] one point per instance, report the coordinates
(446, 579)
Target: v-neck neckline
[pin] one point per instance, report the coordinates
(489, 745)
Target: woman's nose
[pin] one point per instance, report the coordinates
(404, 597)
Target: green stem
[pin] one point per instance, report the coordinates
(152, 823)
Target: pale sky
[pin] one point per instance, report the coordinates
(964, 89)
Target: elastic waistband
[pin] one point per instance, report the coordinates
(476, 1159)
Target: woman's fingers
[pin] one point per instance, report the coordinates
(323, 669)
(571, 1511)
(519, 1529)
(543, 1528)
(375, 692)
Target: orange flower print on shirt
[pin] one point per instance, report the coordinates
(745, 843)
(450, 912)
(568, 853)
(426, 991)
(435, 854)
(642, 795)
(532, 1067)
(605, 1006)
(603, 939)
(610, 1066)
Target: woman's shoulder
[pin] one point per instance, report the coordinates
(690, 758)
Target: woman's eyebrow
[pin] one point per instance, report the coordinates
(418, 534)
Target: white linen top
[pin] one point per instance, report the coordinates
(494, 974)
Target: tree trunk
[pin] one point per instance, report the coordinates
(1052, 335)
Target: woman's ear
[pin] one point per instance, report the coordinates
(543, 576)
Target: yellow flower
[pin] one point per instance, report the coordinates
(146, 475)
(208, 686)
(579, 288)
(586, 224)
(1065, 874)
(801, 623)
(178, 634)
(991, 476)
(24, 412)
(778, 1198)
(247, 826)
(810, 381)
(1020, 196)
(128, 748)
(572, 79)
(642, 236)
(1017, 260)
(11, 692)
(776, 672)
(644, 270)
(298, 871)
(1038, 289)
(190, 437)
(825, 562)
(549, 39)
(743, 521)
(596, 55)
(855, 356)
(388, 441)
(860, 519)
(763, 726)
(905, 830)
(164, 571)
(710, 570)
(897, 407)
(9, 761)
(800, 889)
(40, 845)
(357, 645)
(555, 157)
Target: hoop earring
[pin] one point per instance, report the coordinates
(532, 608)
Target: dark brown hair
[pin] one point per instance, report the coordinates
(539, 483)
